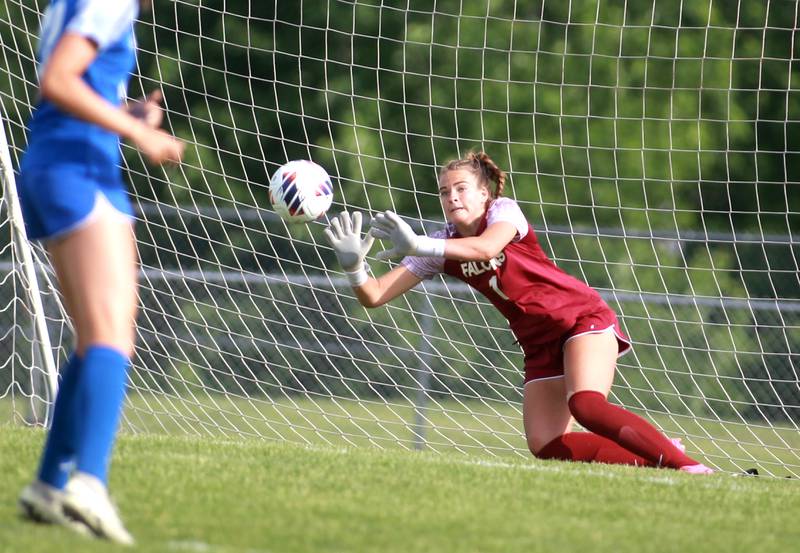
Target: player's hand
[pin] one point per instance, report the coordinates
(389, 226)
(148, 109)
(344, 236)
(158, 146)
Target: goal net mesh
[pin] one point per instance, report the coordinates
(653, 145)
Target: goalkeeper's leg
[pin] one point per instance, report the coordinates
(548, 424)
(589, 366)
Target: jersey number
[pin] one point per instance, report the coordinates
(496, 287)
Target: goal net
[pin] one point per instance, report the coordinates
(654, 146)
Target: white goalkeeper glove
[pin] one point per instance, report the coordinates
(344, 236)
(389, 226)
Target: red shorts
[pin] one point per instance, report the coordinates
(547, 360)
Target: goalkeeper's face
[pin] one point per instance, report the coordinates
(463, 196)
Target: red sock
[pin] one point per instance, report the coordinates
(595, 413)
(588, 447)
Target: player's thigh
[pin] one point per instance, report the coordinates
(96, 268)
(590, 361)
(545, 413)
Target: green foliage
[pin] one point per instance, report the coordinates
(640, 137)
(381, 96)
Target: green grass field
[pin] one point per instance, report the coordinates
(470, 427)
(211, 495)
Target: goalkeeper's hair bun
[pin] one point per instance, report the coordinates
(480, 164)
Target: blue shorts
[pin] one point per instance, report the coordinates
(58, 199)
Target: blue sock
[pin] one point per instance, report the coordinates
(59, 448)
(102, 391)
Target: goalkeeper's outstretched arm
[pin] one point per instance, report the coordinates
(344, 235)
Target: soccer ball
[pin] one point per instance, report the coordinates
(300, 191)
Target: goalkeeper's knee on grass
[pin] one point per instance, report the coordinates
(593, 411)
(616, 436)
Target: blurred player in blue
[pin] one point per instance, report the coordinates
(74, 199)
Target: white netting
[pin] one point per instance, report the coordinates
(654, 145)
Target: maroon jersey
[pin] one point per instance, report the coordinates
(541, 302)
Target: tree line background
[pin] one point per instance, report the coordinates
(654, 145)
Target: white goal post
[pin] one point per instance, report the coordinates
(654, 145)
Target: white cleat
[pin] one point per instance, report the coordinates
(43, 503)
(86, 500)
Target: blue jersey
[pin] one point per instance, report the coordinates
(57, 138)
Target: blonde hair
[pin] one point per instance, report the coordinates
(481, 165)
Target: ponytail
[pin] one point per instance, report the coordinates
(480, 164)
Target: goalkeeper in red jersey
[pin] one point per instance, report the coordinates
(570, 337)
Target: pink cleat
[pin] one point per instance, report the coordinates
(696, 469)
(691, 469)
